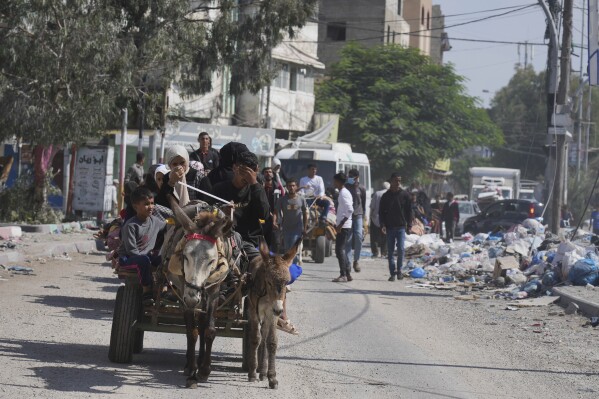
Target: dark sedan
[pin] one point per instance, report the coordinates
(503, 214)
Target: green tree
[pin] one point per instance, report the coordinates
(68, 67)
(520, 111)
(402, 109)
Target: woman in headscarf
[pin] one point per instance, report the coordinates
(177, 159)
(153, 179)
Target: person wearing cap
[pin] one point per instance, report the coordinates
(395, 215)
(378, 240)
(207, 155)
(177, 159)
(358, 194)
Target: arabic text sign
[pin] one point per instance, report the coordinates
(93, 172)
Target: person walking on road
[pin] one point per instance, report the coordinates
(345, 210)
(378, 240)
(291, 216)
(451, 217)
(358, 194)
(135, 172)
(395, 215)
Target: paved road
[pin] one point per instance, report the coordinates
(368, 338)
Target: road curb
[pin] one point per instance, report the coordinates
(587, 307)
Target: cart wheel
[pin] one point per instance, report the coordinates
(245, 340)
(126, 312)
(329, 248)
(319, 250)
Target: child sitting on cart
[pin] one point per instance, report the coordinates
(138, 239)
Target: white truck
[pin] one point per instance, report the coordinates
(500, 183)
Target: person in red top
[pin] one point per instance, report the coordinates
(451, 217)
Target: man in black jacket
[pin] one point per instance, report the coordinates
(207, 155)
(395, 214)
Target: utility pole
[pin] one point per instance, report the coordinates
(560, 136)
(122, 158)
(552, 80)
(580, 99)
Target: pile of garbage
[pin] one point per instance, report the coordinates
(523, 262)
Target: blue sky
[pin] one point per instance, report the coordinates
(489, 66)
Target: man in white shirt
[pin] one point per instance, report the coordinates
(313, 186)
(345, 211)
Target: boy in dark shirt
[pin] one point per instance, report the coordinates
(138, 238)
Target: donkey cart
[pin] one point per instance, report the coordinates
(131, 319)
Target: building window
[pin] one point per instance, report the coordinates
(428, 20)
(422, 17)
(336, 31)
(399, 7)
(388, 34)
(282, 79)
(293, 79)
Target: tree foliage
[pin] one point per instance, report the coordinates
(403, 110)
(67, 67)
(520, 111)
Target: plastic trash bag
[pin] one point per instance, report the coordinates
(584, 272)
(417, 273)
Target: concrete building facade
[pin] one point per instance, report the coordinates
(369, 22)
(286, 106)
(418, 14)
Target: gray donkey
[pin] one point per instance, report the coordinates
(269, 277)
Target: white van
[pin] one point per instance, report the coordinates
(329, 158)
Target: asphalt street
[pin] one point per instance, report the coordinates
(367, 338)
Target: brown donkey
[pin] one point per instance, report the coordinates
(269, 277)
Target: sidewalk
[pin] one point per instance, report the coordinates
(44, 241)
(586, 299)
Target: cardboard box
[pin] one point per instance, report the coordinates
(504, 263)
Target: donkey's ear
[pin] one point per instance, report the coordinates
(264, 251)
(180, 216)
(290, 254)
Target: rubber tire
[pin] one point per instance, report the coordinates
(126, 311)
(245, 340)
(329, 248)
(319, 250)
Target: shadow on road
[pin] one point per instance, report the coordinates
(69, 367)
(78, 307)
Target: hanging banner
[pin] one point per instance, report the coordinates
(593, 40)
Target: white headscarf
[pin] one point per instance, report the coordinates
(171, 153)
(161, 169)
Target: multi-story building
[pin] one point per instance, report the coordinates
(369, 22)
(287, 105)
(418, 14)
(439, 38)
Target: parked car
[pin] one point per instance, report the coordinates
(503, 214)
(468, 209)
